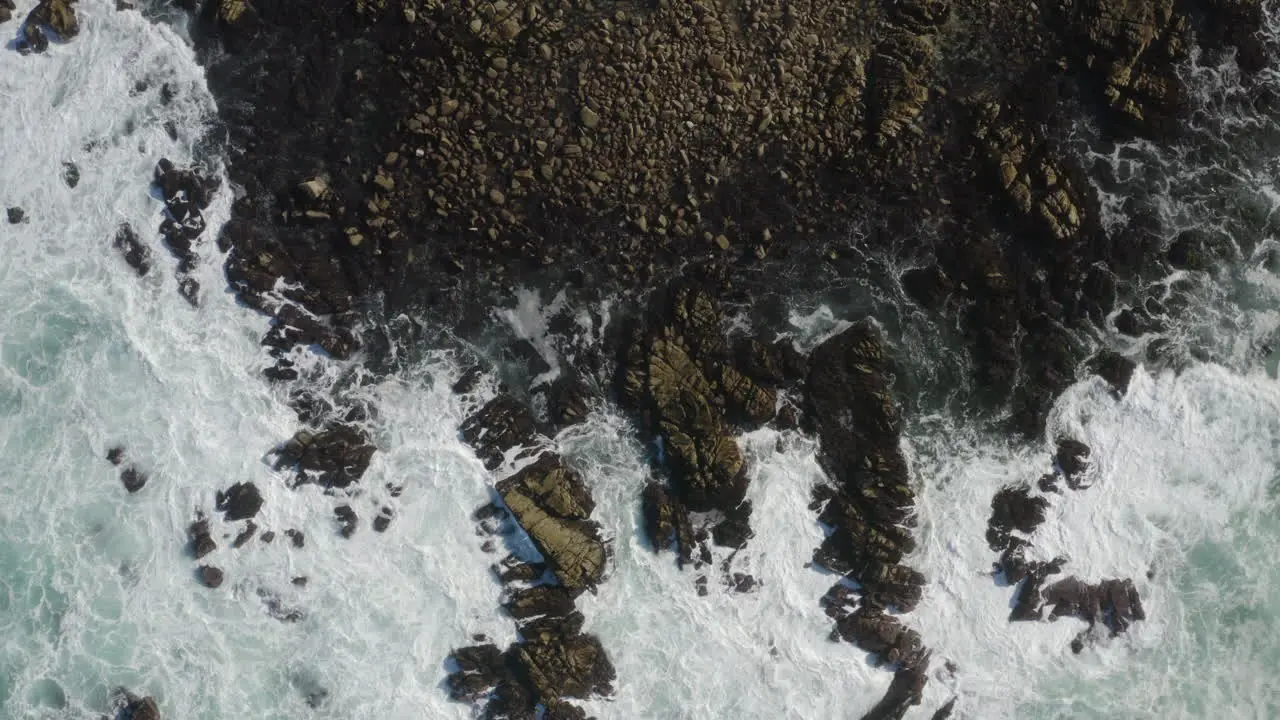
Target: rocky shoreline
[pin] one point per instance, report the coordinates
(425, 157)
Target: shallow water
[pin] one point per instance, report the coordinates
(98, 592)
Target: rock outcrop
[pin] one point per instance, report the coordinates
(186, 195)
(336, 456)
(136, 254)
(692, 392)
(866, 507)
(549, 500)
(239, 502)
(1113, 603)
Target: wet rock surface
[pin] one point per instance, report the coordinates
(552, 504)
(335, 456)
(239, 502)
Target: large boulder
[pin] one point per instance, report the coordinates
(551, 504)
(575, 666)
(59, 15)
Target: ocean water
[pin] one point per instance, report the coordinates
(97, 590)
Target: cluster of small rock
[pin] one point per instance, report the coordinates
(693, 391)
(186, 194)
(1113, 603)
(548, 499)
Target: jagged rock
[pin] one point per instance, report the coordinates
(575, 666)
(1073, 460)
(293, 326)
(15, 214)
(746, 402)
(512, 569)
(239, 502)
(1013, 508)
(549, 508)
(667, 521)
(202, 542)
(133, 479)
(904, 692)
(135, 253)
(70, 172)
(898, 83)
(245, 535)
(210, 576)
(708, 469)
(501, 425)
(553, 485)
(735, 530)
(1116, 369)
(481, 668)
(33, 40)
(115, 455)
(881, 634)
(1114, 603)
(334, 457)
(189, 289)
(871, 495)
(568, 401)
(346, 519)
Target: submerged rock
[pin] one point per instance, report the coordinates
(115, 455)
(139, 708)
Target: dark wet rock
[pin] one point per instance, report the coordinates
(115, 455)
(1116, 369)
(1113, 603)
(347, 520)
(293, 326)
(210, 576)
(202, 542)
(468, 381)
(540, 600)
(245, 535)
(15, 215)
(33, 40)
(575, 666)
(877, 632)
(1013, 508)
(139, 708)
(334, 457)
(735, 529)
(383, 520)
(60, 16)
(135, 253)
(512, 569)
(568, 400)
(1048, 483)
(503, 424)
(6, 10)
(133, 479)
(70, 173)
(666, 521)
(552, 504)
(189, 289)
(300, 581)
(1073, 460)
(239, 502)
(480, 669)
(297, 536)
(945, 711)
(741, 582)
(870, 496)
(268, 536)
(928, 286)
(905, 691)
